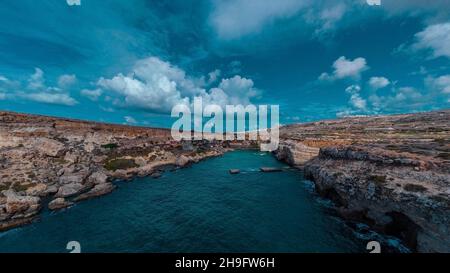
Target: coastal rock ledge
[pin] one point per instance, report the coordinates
(66, 161)
(391, 172)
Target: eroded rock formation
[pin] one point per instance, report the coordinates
(69, 161)
(392, 172)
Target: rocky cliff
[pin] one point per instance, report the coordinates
(66, 161)
(392, 172)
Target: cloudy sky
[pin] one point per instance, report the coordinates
(132, 61)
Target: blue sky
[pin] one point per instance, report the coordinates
(131, 61)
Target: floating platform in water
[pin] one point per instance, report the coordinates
(270, 169)
(234, 171)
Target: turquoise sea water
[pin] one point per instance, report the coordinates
(202, 208)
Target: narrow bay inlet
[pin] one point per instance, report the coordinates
(387, 173)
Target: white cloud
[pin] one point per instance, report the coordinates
(378, 82)
(236, 18)
(65, 81)
(73, 2)
(441, 84)
(92, 94)
(213, 76)
(157, 86)
(435, 38)
(130, 119)
(329, 16)
(432, 10)
(356, 100)
(344, 68)
(50, 98)
(35, 89)
(36, 81)
(403, 98)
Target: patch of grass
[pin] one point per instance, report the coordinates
(61, 161)
(120, 164)
(18, 187)
(378, 179)
(4, 186)
(110, 146)
(414, 188)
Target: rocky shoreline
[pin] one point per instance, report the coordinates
(391, 172)
(70, 161)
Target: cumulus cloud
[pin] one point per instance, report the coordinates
(213, 76)
(91, 94)
(50, 98)
(329, 16)
(378, 82)
(436, 10)
(345, 68)
(36, 81)
(65, 81)
(435, 38)
(73, 2)
(156, 86)
(130, 119)
(441, 84)
(236, 18)
(35, 89)
(402, 98)
(356, 100)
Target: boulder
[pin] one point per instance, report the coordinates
(89, 147)
(49, 147)
(156, 175)
(70, 178)
(98, 178)
(98, 190)
(182, 161)
(70, 190)
(16, 204)
(59, 203)
(37, 190)
(71, 157)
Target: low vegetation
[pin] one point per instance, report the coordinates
(378, 179)
(120, 164)
(18, 187)
(110, 146)
(414, 188)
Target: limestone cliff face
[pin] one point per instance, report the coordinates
(295, 153)
(70, 161)
(391, 172)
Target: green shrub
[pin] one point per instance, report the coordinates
(18, 187)
(4, 186)
(110, 146)
(378, 179)
(120, 164)
(414, 188)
